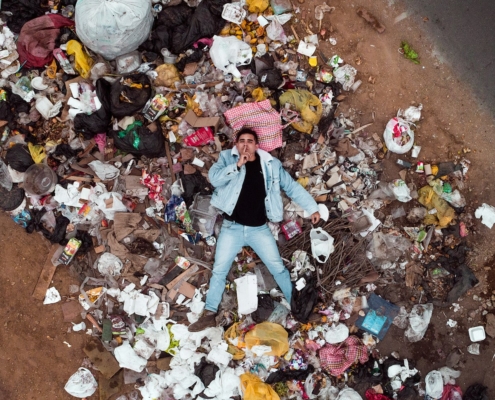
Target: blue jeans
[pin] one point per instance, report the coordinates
(232, 238)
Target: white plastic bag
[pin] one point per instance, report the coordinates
(349, 394)
(321, 244)
(395, 126)
(487, 214)
(337, 334)
(412, 113)
(109, 264)
(104, 171)
(345, 75)
(400, 190)
(81, 384)
(127, 358)
(227, 53)
(419, 319)
(434, 384)
(110, 209)
(113, 28)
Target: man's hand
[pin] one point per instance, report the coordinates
(315, 218)
(243, 158)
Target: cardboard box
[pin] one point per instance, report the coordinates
(202, 122)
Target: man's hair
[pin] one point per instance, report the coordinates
(247, 131)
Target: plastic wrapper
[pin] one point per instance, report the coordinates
(113, 28)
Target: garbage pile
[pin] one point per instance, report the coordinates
(110, 123)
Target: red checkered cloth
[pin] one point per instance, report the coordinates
(261, 118)
(335, 359)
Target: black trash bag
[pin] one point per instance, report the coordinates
(86, 242)
(304, 301)
(63, 150)
(22, 10)
(195, 56)
(177, 28)
(19, 158)
(129, 95)
(206, 372)
(271, 78)
(265, 308)
(35, 224)
(11, 199)
(18, 104)
(192, 184)
(476, 392)
(58, 234)
(289, 375)
(91, 125)
(140, 140)
(408, 391)
(6, 113)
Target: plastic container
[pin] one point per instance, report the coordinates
(477, 334)
(20, 215)
(203, 214)
(39, 180)
(168, 57)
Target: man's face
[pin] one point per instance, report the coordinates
(246, 144)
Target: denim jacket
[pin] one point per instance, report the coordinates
(228, 180)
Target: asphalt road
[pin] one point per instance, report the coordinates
(464, 34)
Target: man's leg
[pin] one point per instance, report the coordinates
(230, 242)
(263, 243)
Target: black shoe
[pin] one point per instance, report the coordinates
(208, 320)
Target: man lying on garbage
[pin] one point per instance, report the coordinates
(247, 183)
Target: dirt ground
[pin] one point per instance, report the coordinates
(39, 355)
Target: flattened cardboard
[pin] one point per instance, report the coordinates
(201, 122)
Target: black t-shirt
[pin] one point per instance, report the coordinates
(250, 207)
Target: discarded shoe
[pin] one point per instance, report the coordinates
(208, 320)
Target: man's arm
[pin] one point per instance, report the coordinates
(221, 172)
(300, 195)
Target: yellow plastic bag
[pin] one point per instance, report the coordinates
(83, 62)
(257, 6)
(254, 389)
(445, 214)
(168, 74)
(258, 94)
(37, 152)
(231, 334)
(269, 334)
(306, 104)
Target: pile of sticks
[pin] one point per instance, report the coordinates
(347, 264)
